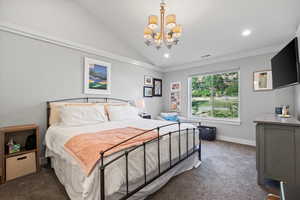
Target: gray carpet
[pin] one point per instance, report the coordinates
(227, 172)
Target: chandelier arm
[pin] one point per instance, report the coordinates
(162, 22)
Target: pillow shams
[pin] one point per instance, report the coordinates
(119, 113)
(82, 115)
(55, 108)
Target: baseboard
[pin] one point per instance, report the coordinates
(237, 140)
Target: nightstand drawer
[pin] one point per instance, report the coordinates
(20, 165)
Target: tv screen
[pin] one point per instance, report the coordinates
(285, 66)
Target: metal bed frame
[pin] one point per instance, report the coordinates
(195, 148)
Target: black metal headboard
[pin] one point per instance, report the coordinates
(84, 100)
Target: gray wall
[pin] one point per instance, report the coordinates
(252, 103)
(297, 88)
(33, 72)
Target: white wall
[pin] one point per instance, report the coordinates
(253, 103)
(33, 72)
(63, 19)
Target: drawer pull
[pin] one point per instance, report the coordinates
(22, 158)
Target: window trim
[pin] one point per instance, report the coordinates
(236, 121)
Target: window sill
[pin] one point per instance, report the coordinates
(235, 122)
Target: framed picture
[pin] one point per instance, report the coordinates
(97, 76)
(148, 81)
(262, 80)
(147, 91)
(175, 103)
(157, 87)
(175, 86)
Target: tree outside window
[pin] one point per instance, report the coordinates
(216, 95)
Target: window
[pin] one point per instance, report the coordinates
(215, 95)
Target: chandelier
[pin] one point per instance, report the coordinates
(168, 33)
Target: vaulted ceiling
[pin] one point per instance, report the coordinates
(209, 26)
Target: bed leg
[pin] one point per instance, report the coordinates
(199, 148)
(102, 188)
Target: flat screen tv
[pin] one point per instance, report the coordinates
(285, 66)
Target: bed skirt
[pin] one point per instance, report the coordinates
(70, 175)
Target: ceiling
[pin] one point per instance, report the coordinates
(209, 26)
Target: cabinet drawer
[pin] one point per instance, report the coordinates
(20, 165)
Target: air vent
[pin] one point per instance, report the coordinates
(206, 56)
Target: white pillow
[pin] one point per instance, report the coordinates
(82, 115)
(119, 113)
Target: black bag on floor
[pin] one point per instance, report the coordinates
(208, 132)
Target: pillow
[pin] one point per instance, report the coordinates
(82, 115)
(119, 113)
(170, 114)
(55, 110)
(106, 105)
(171, 118)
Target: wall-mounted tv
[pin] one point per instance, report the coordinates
(285, 66)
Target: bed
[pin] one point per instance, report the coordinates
(131, 173)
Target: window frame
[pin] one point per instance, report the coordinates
(236, 121)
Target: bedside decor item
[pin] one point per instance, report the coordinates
(278, 110)
(147, 92)
(157, 87)
(145, 116)
(30, 142)
(12, 147)
(262, 80)
(140, 104)
(148, 80)
(97, 76)
(168, 32)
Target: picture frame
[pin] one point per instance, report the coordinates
(262, 80)
(175, 86)
(148, 81)
(175, 101)
(157, 87)
(97, 77)
(147, 91)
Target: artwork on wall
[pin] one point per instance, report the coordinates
(175, 86)
(148, 81)
(262, 80)
(147, 91)
(175, 96)
(97, 78)
(175, 101)
(157, 87)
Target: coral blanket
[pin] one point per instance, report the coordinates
(85, 148)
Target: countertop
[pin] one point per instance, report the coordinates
(274, 119)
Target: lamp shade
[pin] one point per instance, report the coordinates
(171, 21)
(147, 33)
(153, 22)
(177, 30)
(140, 104)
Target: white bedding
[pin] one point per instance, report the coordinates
(88, 187)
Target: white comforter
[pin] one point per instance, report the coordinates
(57, 136)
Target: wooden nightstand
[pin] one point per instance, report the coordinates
(21, 163)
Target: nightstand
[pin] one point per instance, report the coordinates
(25, 161)
(146, 116)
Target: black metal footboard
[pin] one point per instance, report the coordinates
(189, 152)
